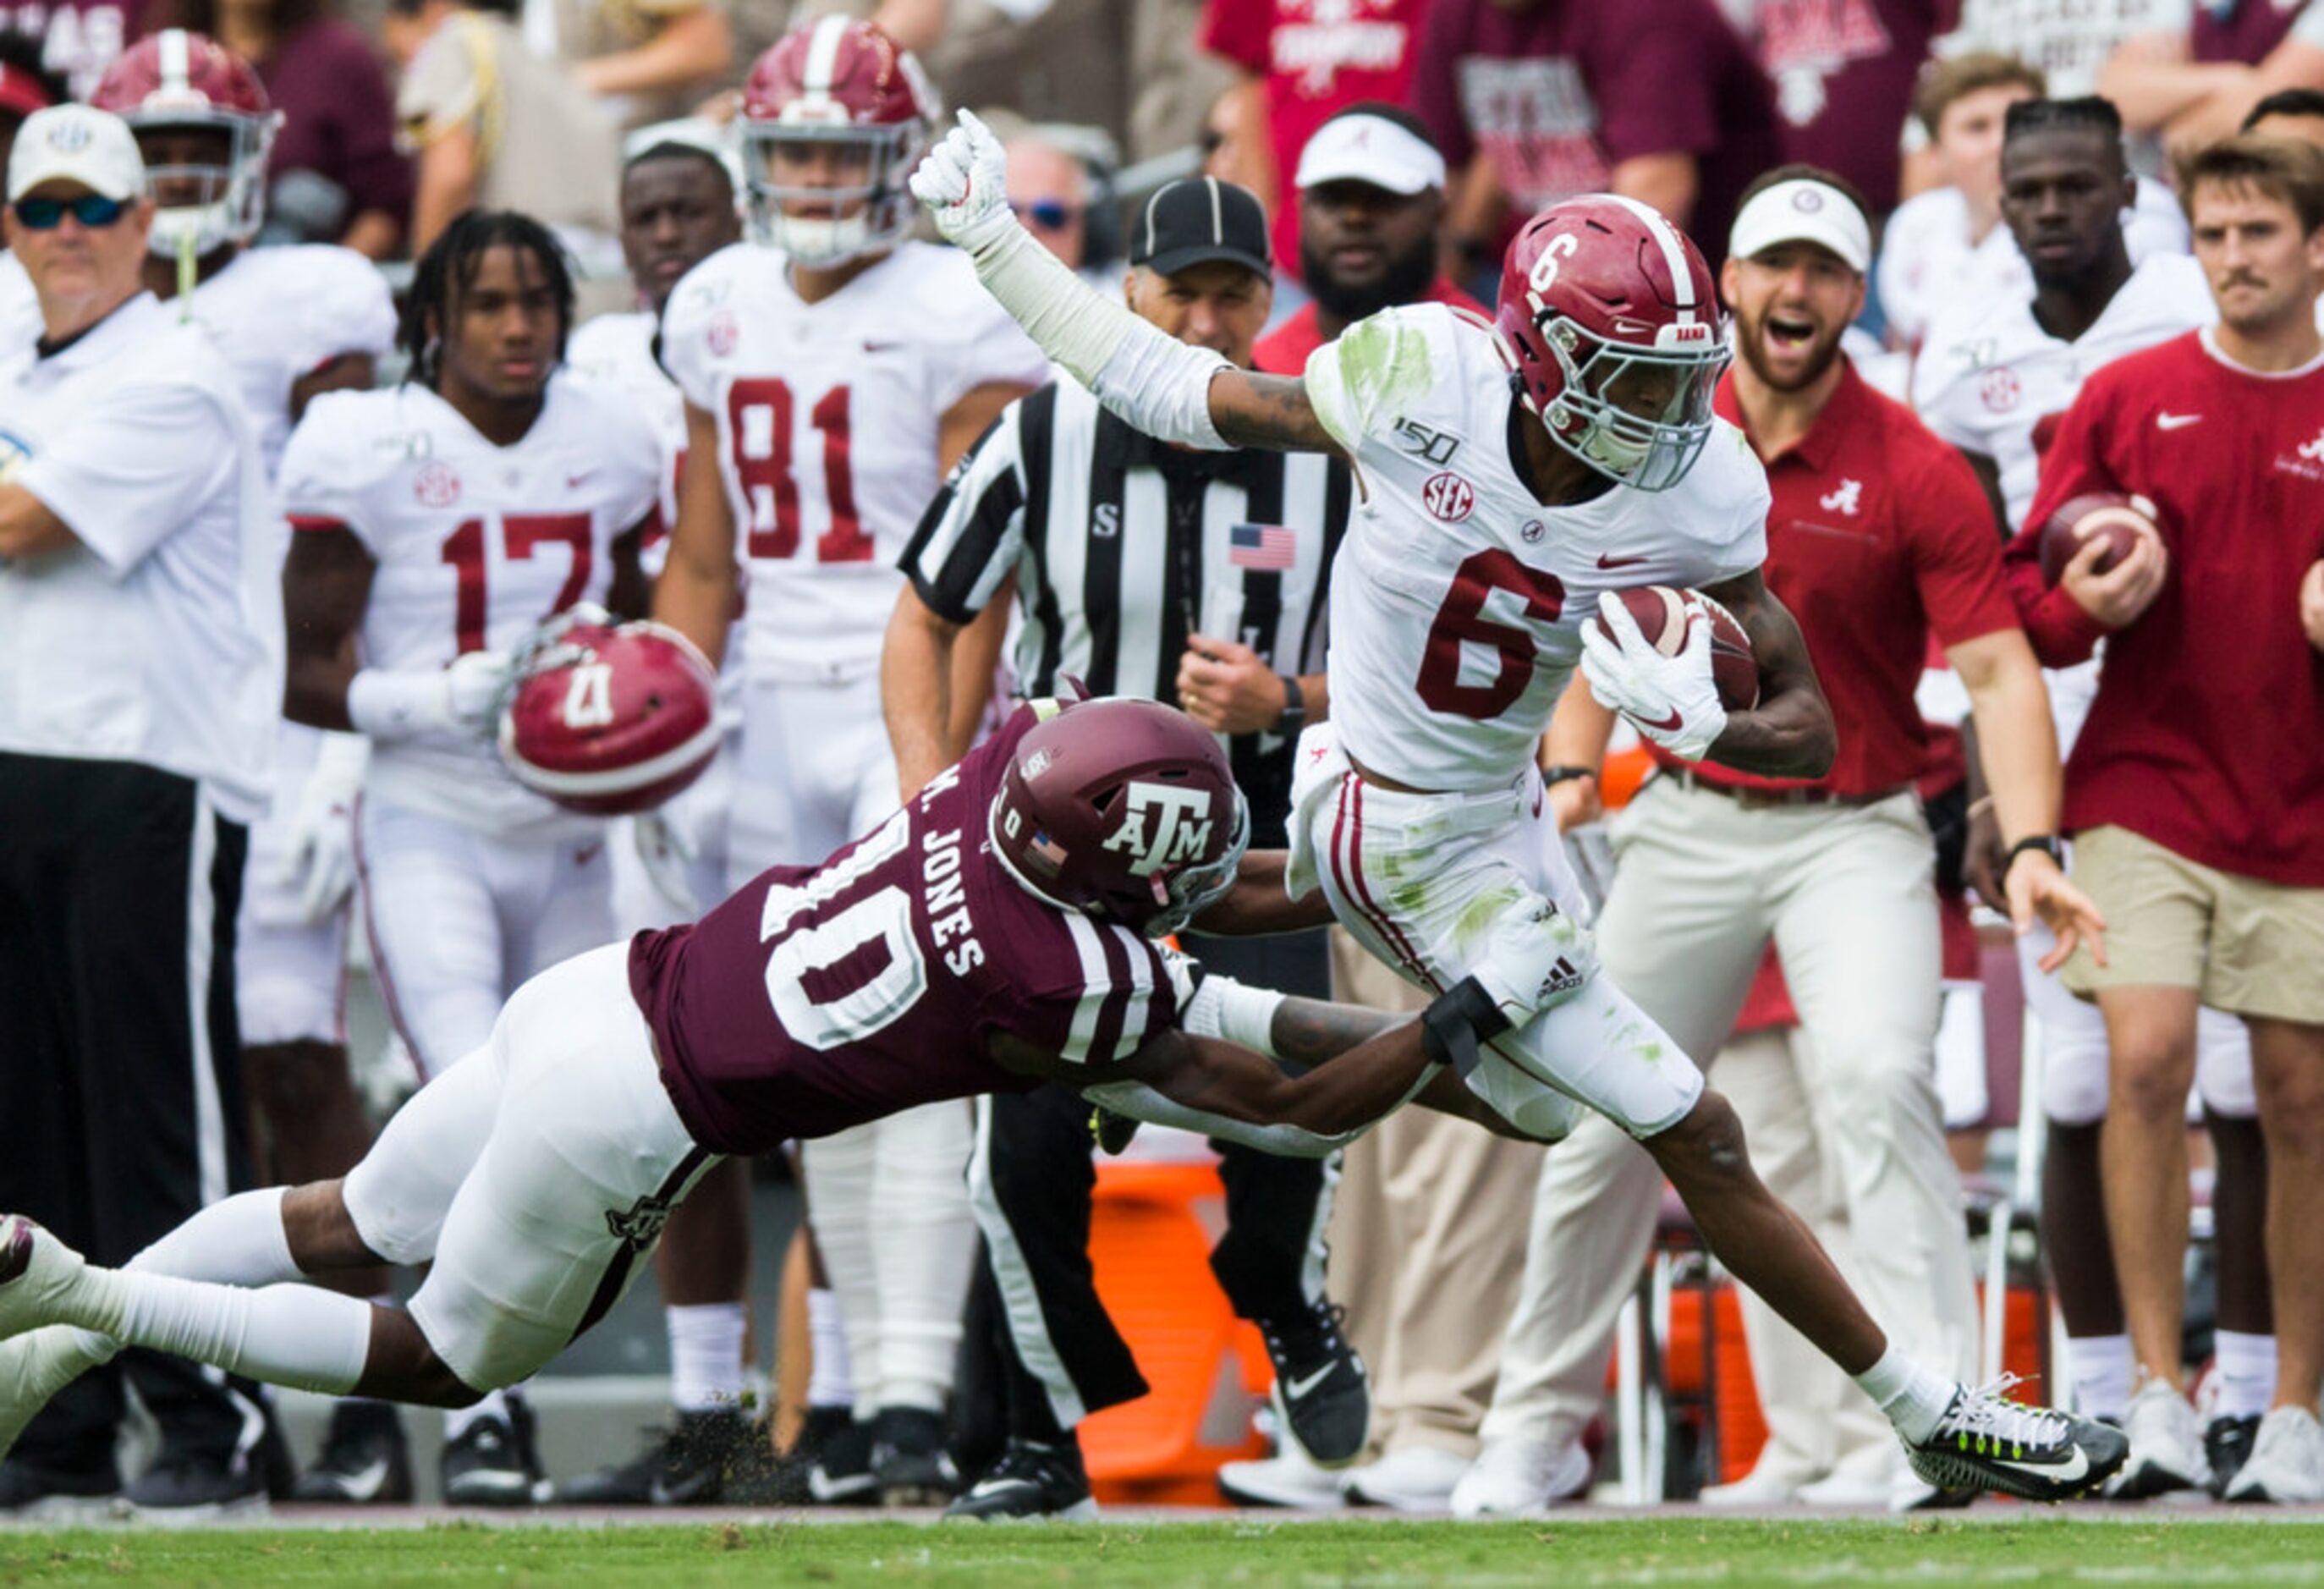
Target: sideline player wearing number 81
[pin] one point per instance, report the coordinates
(1512, 474)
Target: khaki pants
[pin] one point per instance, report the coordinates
(1847, 893)
(1427, 1247)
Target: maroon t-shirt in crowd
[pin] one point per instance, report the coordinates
(1284, 351)
(1843, 72)
(338, 119)
(2244, 31)
(78, 38)
(1317, 59)
(2207, 732)
(1559, 95)
(817, 998)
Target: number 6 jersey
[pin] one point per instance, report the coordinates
(1458, 601)
(828, 418)
(474, 545)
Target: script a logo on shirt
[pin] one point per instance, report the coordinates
(1845, 498)
(1179, 831)
(2309, 465)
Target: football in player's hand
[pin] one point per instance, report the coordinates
(607, 721)
(1660, 611)
(2114, 516)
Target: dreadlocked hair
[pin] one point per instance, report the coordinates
(452, 260)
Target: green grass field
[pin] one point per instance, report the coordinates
(1645, 1551)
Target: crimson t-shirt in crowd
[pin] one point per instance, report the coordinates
(1559, 95)
(1843, 72)
(78, 38)
(817, 998)
(2242, 30)
(1317, 57)
(1878, 537)
(2207, 732)
(1284, 351)
(338, 119)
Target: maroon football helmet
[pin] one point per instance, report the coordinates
(606, 720)
(175, 78)
(833, 97)
(1612, 319)
(1121, 808)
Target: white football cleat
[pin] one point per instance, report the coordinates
(2286, 1465)
(36, 1270)
(34, 1366)
(1411, 1478)
(1521, 1478)
(1289, 1480)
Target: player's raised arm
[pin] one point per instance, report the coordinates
(1161, 386)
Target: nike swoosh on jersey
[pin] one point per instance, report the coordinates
(1605, 561)
(583, 478)
(2168, 422)
(1670, 724)
(1293, 1389)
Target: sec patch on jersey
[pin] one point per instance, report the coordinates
(606, 720)
(1663, 611)
(2116, 517)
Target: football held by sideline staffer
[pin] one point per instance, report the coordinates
(1428, 771)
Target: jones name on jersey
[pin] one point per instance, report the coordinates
(474, 545)
(1458, 621)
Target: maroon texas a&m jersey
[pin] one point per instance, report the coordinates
(817, 998)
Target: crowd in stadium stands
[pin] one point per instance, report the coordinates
(343, 344)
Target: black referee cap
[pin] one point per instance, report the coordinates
(1198, 219)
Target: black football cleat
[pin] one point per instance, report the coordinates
(1031, 1482)
(1321, 1390)
(1986, 1442)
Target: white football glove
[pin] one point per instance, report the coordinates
(1672, 700)
(667, 850)
(474, 686)
(963, 182)
(319, 857)
(1536, 957)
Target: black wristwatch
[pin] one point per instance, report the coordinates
(1294, 707)
(1552, 776)
(2047, 842)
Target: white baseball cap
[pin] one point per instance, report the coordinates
(1803, 209)
(76, 143)
(1372, 149)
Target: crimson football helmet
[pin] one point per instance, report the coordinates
(839, 98)
(175, 78)
(607, 719)
(1610, 313)
(1121, 808)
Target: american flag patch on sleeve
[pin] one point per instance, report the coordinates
(1263, 546)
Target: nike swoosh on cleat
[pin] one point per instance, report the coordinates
(366, 1482)
(992, 1487)
(1293, 1389)
(2051, 1472)
(659, 1493)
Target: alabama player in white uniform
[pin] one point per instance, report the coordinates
(436, 524)
(1510, 474)
(1995, 379)
(292, 323)
(830, 381)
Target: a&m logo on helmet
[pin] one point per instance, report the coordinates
(1162, 826)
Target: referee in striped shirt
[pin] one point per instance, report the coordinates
(1143, 569)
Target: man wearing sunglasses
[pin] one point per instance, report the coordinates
(140, 634)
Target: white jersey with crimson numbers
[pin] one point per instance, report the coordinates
(1990, 380)
(619, 351)
(827, 419)
(280, 314)
(1458, 602)
(474, 545)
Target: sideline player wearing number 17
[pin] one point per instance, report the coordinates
(1511, 475)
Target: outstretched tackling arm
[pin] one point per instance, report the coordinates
(1161, 386)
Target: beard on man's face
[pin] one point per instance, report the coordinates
(1404, 280)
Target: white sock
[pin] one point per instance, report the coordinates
(828, 1383)
(2102, 1369)
(288, 1334)
(495, 1404)
(2246, 1373)
(705, 1355)
(237, 1240)
(1913, 1397)
(924, 1254)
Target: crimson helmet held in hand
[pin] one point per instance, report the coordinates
(1613, 321)
(608, 719)
(178, 79)
(835, 117)
(1121, 808)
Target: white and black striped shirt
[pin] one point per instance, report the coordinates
(1123, 546)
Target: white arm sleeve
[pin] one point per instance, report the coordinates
(1160, 385)
(1141, 1102)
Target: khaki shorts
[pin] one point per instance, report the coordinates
(2248, 946)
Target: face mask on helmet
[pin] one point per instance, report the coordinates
(206, 175)
(1194, 890)
(1640, 415)
(824, 195)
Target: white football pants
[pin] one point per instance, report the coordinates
(291, 974)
